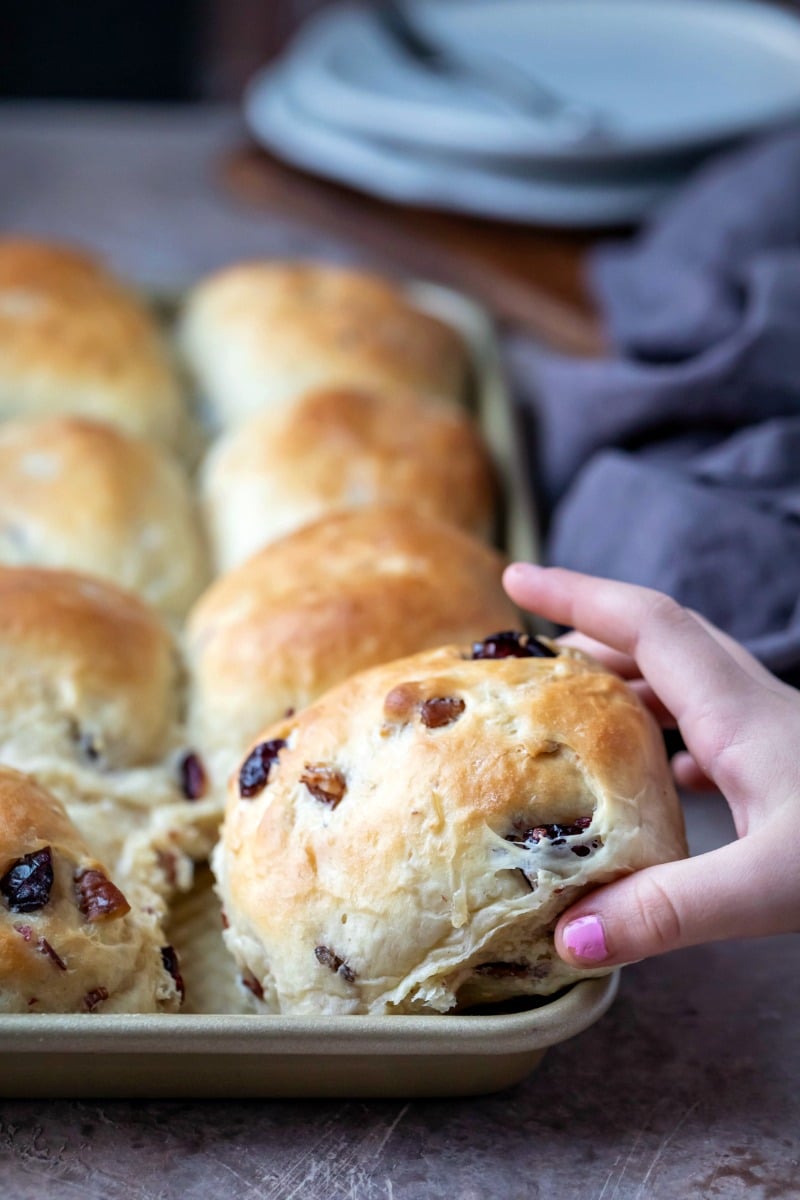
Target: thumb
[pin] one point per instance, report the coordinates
(745, 889)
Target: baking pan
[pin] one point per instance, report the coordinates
(215, 1047)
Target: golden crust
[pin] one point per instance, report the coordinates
(85, 669)
(341, 448)
(74, 340)
(80, 494)
(260, 333)
(436, 878)
(53, 958)
(349, 591)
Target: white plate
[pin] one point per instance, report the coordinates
(404, 177)
(669, 75)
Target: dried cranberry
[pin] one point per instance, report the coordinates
(98, 898)
(554, 833)
(169, 958)
(25, 931)
(253, 985)
(194, 781)
(26, 886)
(327, 958)
(254, 774)
(441, 710)
(94, 998)
(326, 784)
(510, 644)
(44, 947)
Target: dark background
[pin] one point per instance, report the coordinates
(140, 50)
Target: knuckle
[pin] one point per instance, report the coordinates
(659, 918)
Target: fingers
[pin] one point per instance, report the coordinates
(688, 775)
(669, 644)
(745, 889)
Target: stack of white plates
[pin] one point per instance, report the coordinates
(663, 82)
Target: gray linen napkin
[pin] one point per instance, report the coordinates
(675, 462)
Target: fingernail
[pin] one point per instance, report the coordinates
(584, 937)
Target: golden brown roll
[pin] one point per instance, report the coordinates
(87, 671)
(80, 494)
(74, 340)
(91, 704)
(258, 334)
(70, 940)
(407, 843)
(339, 448)
(349, 591)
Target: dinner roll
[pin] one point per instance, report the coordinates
(80, 494)
(70, 940)
(87, 671)
(407, 843)
(90, 705)
(260, 333)
(340, 448)
(74, 340)
(351, 590)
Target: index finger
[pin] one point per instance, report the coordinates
(669, 643)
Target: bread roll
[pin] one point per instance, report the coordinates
(339, 448)
(261, 333)
(70, 941)
(349, 591)
(80, 494)
(74, 340)
(407, 843)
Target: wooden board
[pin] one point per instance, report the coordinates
(528, 276)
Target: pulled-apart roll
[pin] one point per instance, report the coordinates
(407, 843)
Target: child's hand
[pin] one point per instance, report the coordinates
(742, 730)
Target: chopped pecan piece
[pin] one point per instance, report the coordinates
(95, 998)
(27, 884)
(326, 784)
(98, 898)
(441, 710)
(502, 970)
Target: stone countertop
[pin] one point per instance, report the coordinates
(689, 1087)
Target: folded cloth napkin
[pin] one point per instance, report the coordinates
(675, 462)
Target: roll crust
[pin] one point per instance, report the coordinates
(344, 593)
(335, 449)
(475, 800)
(74, 340)
(258, 334)
(82, 495)
(69, 939)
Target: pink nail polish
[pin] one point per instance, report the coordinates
(584, 937)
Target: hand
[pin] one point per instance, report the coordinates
(741, 727)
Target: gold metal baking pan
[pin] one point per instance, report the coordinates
(216, 1048)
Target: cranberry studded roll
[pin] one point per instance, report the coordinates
(74, 340)
(70, 940)
(348, 592)
(90, 704)
(258, 334)
(335, 449)
(407, 843)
